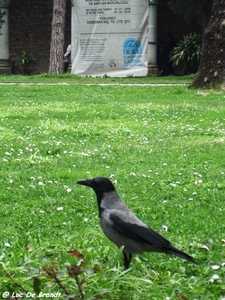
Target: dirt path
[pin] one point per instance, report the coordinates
(91, 84)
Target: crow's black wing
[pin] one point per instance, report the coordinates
(138, 233)
(146, 235)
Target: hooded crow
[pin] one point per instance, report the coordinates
(122, 226)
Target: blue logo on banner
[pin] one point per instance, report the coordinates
(132, 53)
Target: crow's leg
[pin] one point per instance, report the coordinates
(127, 259)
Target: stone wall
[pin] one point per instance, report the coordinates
(30, 30)
(170, 26)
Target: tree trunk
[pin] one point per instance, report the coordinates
(212, 65)
(57, 38)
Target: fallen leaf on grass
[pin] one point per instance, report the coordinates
(76, 254)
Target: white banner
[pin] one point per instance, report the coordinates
(110, 37)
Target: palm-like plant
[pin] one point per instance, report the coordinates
(188, 50)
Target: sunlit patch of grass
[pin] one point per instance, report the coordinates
(163, 147)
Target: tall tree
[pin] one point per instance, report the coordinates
(57, 38)
(212, 65)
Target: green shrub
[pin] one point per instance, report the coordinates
(27, 58)
(187, 51)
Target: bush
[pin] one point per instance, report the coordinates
(187, 51)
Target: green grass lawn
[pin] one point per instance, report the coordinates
(74, 79)
(163, 148)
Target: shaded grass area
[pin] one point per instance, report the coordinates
(75, 79)
(163, 147)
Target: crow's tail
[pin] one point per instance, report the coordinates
(181, 254)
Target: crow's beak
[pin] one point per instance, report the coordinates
(87, 182)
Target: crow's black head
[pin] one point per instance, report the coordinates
(100, 185)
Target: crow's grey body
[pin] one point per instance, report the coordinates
(111, 208)
(123, 227)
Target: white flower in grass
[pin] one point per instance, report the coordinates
(165, 228)
(132, 174)
(199, 181)
(41, 211)
(7, 245)
(60, 208)
(84, 154)
(10, 180)
(213, 278)
(21, 186)
(5, 160)
(215, 267)
(111, 176)
(204, 247)
(32, 178)
(107, 167)
(40, 183)
(68, 190)
(64, 223)
(85, 219)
